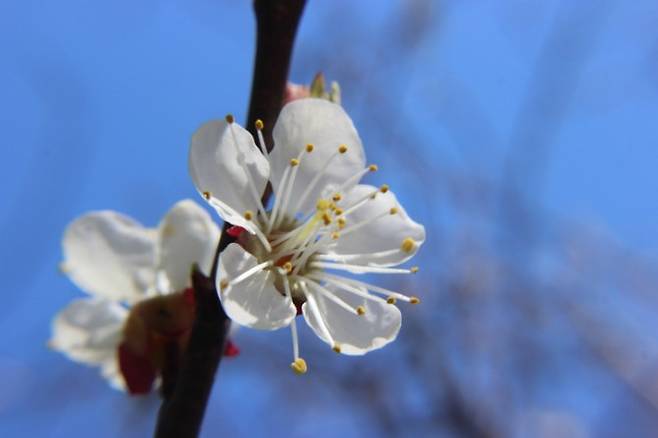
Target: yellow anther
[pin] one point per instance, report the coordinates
(288, 267)
(309, 147)
(342, 149)
(408, 245)
(393, 210)
(384, 188)
(259, 124)
(336, 348)
(337, 197)
(391, 300)
(332, 206)
(326, 218)
(341, 223)
(414, 300)
(338, 211)
(335, 235)
(223, 285)
(373, 168)
(323, 204)
(299, 366)
(361, 310)
(294, 162)
(248, 215)
(207, 195)
(414, 269)
(229, 118)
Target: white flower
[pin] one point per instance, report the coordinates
(120, 264)
(321, 219)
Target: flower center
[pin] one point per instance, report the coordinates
(293, 244)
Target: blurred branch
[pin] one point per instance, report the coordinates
(185, 400)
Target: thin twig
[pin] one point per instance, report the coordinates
(185, 400)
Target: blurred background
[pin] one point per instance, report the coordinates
(522, 134)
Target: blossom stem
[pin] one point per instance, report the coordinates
(182, 410)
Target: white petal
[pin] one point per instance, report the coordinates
(110, 370)
(214, 164)
(355, 334)
(188, 235)
(326, 126)
(379, 243)
(89, 330)
(110, 255)
(254, 302)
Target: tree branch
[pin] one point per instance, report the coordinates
(185, 399)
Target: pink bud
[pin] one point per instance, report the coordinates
(295, 91)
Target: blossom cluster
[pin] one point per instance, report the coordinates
(297, 256)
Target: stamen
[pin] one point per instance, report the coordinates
(337, 281)
(310, 300)
(227, 211)
(365, 222)
(384, 188)
(278, 198)
(334, 279)
(263, 239)
(360, 268)
(289, 236)
(329, 295)
(293, 329)
(360, 202)
(336, 348)
(248, 215)
(314, 182)
(326, 219)
(408, 245)
(249, 272)
(294, 164)
(322, 204)
(349, 182)
(361, 310)
(301, 258)
(229, 118)
(300, 239)
(373, 168)
(337, 197)
(309, 148)
(414, 300)
(207, 195)
(391, 300)
(261, 140)
(299, 366)
(342, 258)
(342, 149)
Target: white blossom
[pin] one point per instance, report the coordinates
(121, 263)
(321, 220)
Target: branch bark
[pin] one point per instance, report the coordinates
(185, 399)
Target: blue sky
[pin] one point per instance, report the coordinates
(99, 101)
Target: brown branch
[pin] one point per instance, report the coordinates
(185, 399)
